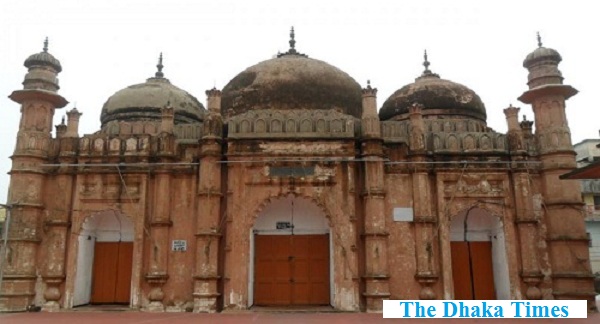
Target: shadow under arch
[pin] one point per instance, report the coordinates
(479, 251)
(258, 210)
(108, 226)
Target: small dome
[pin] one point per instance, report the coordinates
(437, 95)
(541, 54)
(43, 59)
(292, 81)
(143, 102)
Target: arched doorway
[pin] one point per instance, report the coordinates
(290, 255)
(478, 251)
(104, 260)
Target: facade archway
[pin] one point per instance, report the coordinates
(479, 258)
(290, 255)
(104, 259)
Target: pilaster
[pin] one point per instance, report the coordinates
(208, 218)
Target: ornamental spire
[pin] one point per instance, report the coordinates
(292, 50)
(159, 66)
(426, 64)
(427, 72)
(539, 39)
(292, 41)
(46, 45)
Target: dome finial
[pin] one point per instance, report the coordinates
(539, 38)
(46, 45)
(159, 66)
(426, 63)
(292, 49)
(292, 40)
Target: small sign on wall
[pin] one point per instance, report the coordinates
(179, 245)
(403, 214)
(283, 225)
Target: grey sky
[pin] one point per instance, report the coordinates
(107, 45)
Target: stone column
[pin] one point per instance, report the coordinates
(58, 223)
(208, 219)
(38, 101)
(563, 215)
(375, 233)
(525, 218)
(161, 223)
(73, 123)
(424, 215)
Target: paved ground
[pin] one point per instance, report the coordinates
(94, 317)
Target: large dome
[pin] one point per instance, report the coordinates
(438, 96)
(292, 81)
(143, 102)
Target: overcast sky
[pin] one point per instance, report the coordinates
(107, 45)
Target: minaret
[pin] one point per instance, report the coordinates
(564, 220)
(38, 100)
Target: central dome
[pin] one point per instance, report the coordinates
(292, 81)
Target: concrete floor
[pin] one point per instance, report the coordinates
(133, 317)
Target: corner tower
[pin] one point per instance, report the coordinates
(566, 236)
(38, 99)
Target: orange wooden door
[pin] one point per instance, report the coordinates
(318, 251)
(483, 271)
(124, 265)
(272, 270)
(472, 270)
(111, 276)
(291, 270)
(461, 271)
(104, 275)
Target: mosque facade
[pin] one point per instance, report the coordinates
(292, 187)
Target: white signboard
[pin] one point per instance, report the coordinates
(403, 214)
(179, 245)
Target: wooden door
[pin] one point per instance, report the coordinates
(111, 276)
(483, 271)
(461, 271)
(472, 270)
(291, 270)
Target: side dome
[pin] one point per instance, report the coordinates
(142, 102)
(439, 97)
(292, 81)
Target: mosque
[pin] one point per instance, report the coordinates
(292, 187)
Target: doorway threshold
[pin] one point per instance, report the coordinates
(103, 308)
(293, 309)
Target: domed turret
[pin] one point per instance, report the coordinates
(43, 69)
(542, 64)
(141, 102)
(292, 81)
(438, 96)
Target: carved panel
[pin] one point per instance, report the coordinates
(474, 185)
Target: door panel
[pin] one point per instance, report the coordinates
(291, 270)
(483, 272)
(123, 282)
(104, 274)
(472, 270)
(111, 279)
(461, 271)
